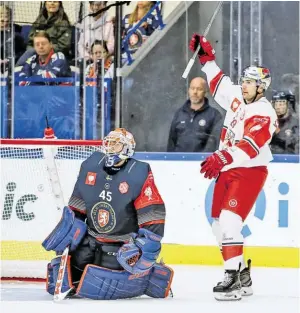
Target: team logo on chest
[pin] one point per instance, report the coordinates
(103, 217)
(123, 187)
(235, 104)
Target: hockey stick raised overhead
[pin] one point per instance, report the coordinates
(192, 60)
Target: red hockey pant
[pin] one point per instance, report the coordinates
(237, 189)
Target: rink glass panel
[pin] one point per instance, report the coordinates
(243, 33)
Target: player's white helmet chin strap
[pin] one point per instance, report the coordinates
(118, 146)
(260, 74)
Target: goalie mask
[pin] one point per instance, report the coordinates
(260, 74)
(118, 145)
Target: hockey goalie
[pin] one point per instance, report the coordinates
(113, 226)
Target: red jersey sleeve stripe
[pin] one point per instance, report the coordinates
(76, 209)
(248, 148)
(215, 82)
(152, 223)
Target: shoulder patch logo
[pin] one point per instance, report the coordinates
(90, 179)
(123, 187)
(148, 193)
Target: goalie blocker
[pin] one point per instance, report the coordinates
(101, 283)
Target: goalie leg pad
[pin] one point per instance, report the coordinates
(160, 281)
(69, 231)
(52, 274)
(100, 283)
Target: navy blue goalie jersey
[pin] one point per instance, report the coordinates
(116, 205)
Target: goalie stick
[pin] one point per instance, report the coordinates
(58, 295)
(192, 60)
(49, 153)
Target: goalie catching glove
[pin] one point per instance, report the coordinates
(141, 254)
(68, 232)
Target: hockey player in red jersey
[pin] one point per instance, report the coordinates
(113, 225)
(240, 164)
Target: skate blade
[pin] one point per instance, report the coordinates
(247, 291)
(228, 296)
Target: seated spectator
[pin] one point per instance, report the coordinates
(55, 22)
(196, 126)
(99, 27)
(145, 30)
(286, 138)
(6, 40)
(45, 63)
(99, 53)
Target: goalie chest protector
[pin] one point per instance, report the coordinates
(109, 200)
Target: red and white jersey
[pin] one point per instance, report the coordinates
(248, 128)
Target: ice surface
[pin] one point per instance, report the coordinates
(275, 291)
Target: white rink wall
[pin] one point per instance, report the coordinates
(274, 221)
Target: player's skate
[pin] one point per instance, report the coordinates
(230, 288)
(246, 280)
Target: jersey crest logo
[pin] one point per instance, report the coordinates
(235, 104)
(103, 217)
(123, 187)
(148, 193)
(90, 179)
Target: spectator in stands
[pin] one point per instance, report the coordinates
(146, 28)
(45, 63)
(196, 126)
(53, 20)
(99, 27)
(9, 38)
(99, 53)
(290, 82)
(286, 137)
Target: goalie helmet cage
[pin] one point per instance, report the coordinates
(37, 179)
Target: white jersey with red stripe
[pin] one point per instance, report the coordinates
(248, 128)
